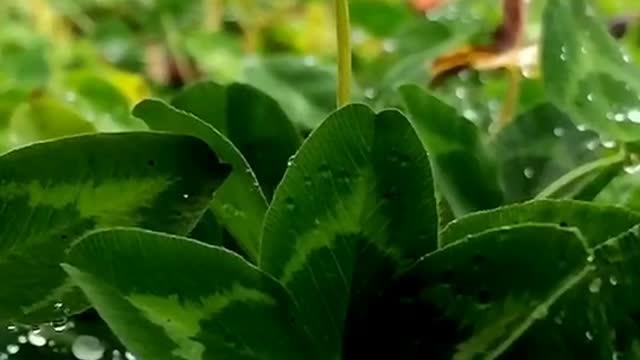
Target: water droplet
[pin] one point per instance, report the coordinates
(316, 221)
(86, 347)
(289, 204)
(51, 343)
(290, 162)
(470, 114)
(12, 328)
(58, 306)
(129, 356)
(309, 61)
(529, 172)
(582, 127)
(308, 181)
(609, 144)
(590, 97)
(563, 53)
(559, 132)
(59, 325)
(632, 169)
(4, 356)
(595, 285)
(370, 93)
(591, 258)
(36, 339)
(325, 171)
(22, 339)
(583, 49)
(461, 92)
(626, 58)
(558, 319)
(389, 46)
(588, 335)
(634, 116)
(619, 117)
(613, 280)
(13, 348)
(592, 145)
(70, 96)
(186, 196)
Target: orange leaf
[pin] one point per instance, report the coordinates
(427, 5)
(506, 38)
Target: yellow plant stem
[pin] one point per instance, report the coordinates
(343, 31)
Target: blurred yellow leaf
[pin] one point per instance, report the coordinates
(132, 85)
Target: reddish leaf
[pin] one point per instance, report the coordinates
(505, 38)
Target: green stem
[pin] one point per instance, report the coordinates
(343, 31)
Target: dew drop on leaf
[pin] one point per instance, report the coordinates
(595, 285)
(632, 169)
(609, 144)
(309, 61)
(325, 171)
(529, 173)
(87, 347)
(559, 132)
(592, 145)
(370, 93)
(36, 339)
(634, 116)
(588, 335)
(22, 339)
(289, 204)
(613, 280)
(13, 348)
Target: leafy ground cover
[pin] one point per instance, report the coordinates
(323, 180)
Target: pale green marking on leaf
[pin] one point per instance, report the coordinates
(104, 202)
(56, 295)
(507, 313)
(478, 343)
(181, 319)
(325, 236)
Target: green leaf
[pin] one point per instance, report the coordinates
(53, 192)
(356, 206)
(366, 15)
(538, 147)
(587, 181)
(586, 72)
(305, 88)
(44, 118)
(464, 171)
(98, 101)
(252, 120)
(177, 299)
(239, 204)
(479, 295)
(622, 191)
(597, 223)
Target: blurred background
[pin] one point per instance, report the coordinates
(75, 66)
